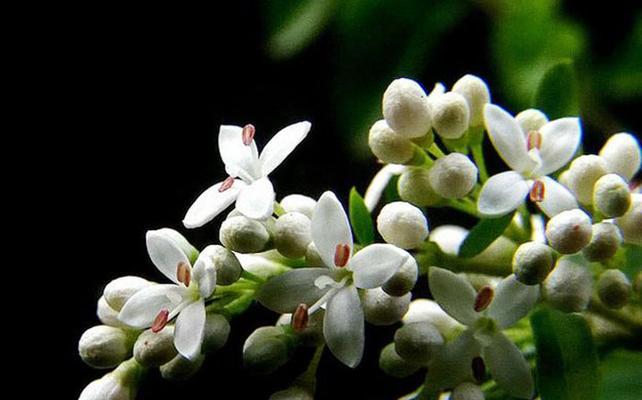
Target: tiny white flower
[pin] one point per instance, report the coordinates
(248, 184)
(531, 156)
(379, 183)
(156, 305)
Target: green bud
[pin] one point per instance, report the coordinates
(228, 267)
(406, 109)
(418, 341)
(389, 147)
(611, 196)
(614, 288)
(394, 365)
(104, 346)
(467, 391)
(451, 115)
(402, 224)
(244, 235)
(453, 176)
(265, 350)
(217, 330)
(155, 349)
(292, 234)
(569, 231)
(119, 290)
(605, 241)
(414, 187)
(404, 279)
(532, 262)
(181, 368)
(382, 309)
(569, 286)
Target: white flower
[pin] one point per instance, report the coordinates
(379, 183)
(156, 305)
(485, 314)
(531, 156)
(252, 191)
(335, 287)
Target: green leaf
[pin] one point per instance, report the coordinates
(558, 95)
(483, 234)
(360, 219)
(621, 376)
(567, 366)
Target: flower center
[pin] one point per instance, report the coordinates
(483, 299)
(160, 321)
(227, 183)
(184, 273)
(537, 191)
(533, 140)
(341, 255)
(300, 318)
(248, 134)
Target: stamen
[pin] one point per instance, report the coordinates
(537, 191)
(479, 369)
(484, 297)
(160, 321)
(227, 183)
(533, 140)
(300, 318)
(248, 134)
(341, 255)
(184, 273)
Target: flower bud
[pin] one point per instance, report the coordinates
(450, 115)
(293, 393)
(265, 350)
(406, 108)
(404, 279)
(532, 262)
(584, 171)
(622, 155)
(104, 346)
(614, 288)
(605, 241)
(467, 391)
(531, 120)
(569, 231)
(429, 311)
(569, 286)
(107, 315)
(414, 187)
(299, 203)
(631, 222)
(564, 178)
(453, 176)
(217, 330)
(418, 341)
(118, 291)
(120, 384)
(292, 234)
(155, 349)
(402, 224)
(392, 364)
(382, 309)
(312, 334)
(228, 268)
(387, 146)
(179, 240)
(312, 256)
(476, 93)
(181, 368)
(244, 235)
(611, 196)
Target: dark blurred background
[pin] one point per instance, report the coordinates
(136, 94)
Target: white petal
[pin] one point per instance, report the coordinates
(285, 292)
(379, 183)
(281, 145)
(507, 137)
(141, 309)
(205, 275)
(502, 193)
(375, 264)
(188, 334)
(343, 326)
(330, 227)
(454, 294)
(211, 203)
(256, 201)
(240, 160)
(165, 254)
(560, 139)
(452, 365)
(557, 198)
(512, 301)
(508, 366)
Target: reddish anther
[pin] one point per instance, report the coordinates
(479, 369)
(533, 140)
(227, 183)
(248, 134)
(300, 318)
(184, 273)
(341, 255)
(483, 299)
(160, 321)
(537, 191)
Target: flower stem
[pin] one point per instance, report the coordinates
(251, 277)
(278, 209)
(436, 151)
(478, 156)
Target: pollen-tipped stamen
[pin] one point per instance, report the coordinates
(184, 273)
(483, 299)
(341, 255)
(248, 134)
(300, 318)
(227, 183)
(537, 191)
(160, 321)
(533, 140)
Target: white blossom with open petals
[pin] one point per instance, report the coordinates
(248, 183)
(156, 305)
(336, 285)
(531, 156)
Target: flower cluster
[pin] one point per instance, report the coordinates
(324, 272)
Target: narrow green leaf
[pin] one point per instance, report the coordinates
(567, 366)
(483, 234)
(558, 94)
(360, 219)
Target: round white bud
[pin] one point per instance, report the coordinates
(217, 330)
(312, 256)
(569, 231)
(611, 195)
(631, 222)
(244, 235)
(622, 154)
(564, 178)
(394, 365)
(532, 262)
(450, 115)
(604, 243)
(531, 120)
(584, 171)
(292, 234)
(104, 346)
(406, 109)
(107, 315)
(181, 368)
(476, 93)
(119, 290)
(382, 309)
(265, 350)
(429, 311)
(153, 349)
(402, 224)
(228, 268)
(614, 288)
(467, 391)
(404, 279)
(569, 286)
(299, 203)
(414, 187)
(418, 341)
(453, 176)
(387, 146)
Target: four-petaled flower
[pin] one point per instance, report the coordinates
(252, 191)
(335, 287)
(156, 305)
(531, 156)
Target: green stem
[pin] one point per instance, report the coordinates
(478, 156)
(278, 209)
(251, 277)
(309, 377)
(631, 322)
(436, 151)
(464, 205)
